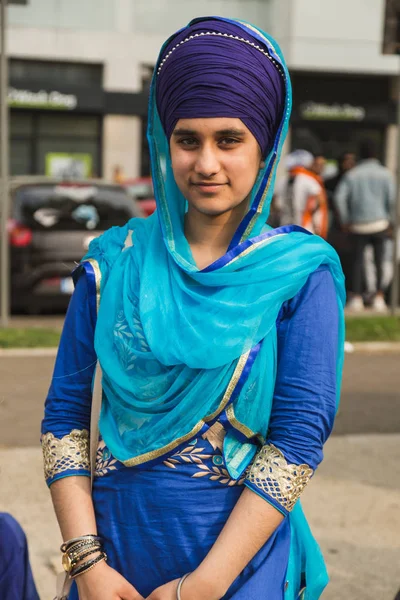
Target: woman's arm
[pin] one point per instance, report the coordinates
(66, 422)
(73, 506)
(249, 526)
(72, 500)
(65, 442)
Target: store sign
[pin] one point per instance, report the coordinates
(319, 111)
(47, 100)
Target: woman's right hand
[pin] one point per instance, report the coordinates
(104, 583)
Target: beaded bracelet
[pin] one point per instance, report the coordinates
(81, 546)
(87, 566)
(78, 558)
(83, 538)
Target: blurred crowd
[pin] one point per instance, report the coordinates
(352, 207)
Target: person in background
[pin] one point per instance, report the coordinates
(300, 196)
(365, 199)
(337, 237)
(345, 162)
(318, 165)
(118, 174)
(16, 580)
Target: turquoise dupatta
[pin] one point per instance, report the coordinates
(182, 347)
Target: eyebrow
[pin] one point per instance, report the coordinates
(230, 131)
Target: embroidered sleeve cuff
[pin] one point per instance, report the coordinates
(271, 476)
(67, 456)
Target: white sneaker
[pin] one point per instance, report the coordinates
(355, 304)
(379, 304)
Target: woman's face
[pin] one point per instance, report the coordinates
(215, 163)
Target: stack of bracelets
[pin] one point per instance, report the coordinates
(76, 550)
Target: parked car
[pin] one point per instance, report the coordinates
(141, 189)
(51, 225)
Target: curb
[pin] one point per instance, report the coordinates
(372, 347)
(350, 348)
(27, 352)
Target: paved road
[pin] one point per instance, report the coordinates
(353, 504)
(371, 394)
(370, 398)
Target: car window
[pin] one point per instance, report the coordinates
(63, 207)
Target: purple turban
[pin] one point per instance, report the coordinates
(216, 76)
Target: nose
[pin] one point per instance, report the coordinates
(207, 163)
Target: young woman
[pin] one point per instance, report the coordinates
(220, 341)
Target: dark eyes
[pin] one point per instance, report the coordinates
(192, 142)
(188, 141)
(229, 141)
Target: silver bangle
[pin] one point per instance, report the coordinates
(178, 589)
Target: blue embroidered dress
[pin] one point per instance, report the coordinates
(159, 522)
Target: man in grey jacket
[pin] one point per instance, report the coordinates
(365, 200)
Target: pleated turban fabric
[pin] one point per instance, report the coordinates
(206, 72)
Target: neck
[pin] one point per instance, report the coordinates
(209, 236)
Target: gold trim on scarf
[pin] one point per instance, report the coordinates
(246, 431)
(274, 476)
(153, 454)
(254, 246)
(97, 276)
(71, 452)
(259, 207)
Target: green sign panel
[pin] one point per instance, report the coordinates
(63, 165)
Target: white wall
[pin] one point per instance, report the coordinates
(339, 35)
(121, 34)
(333, 35)
(64, 14)
(121, 145)
(166, 16)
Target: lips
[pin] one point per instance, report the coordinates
(208, 188)
(207, 184)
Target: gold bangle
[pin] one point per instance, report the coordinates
(74, 555)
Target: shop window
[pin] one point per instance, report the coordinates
(20, 157)
(38, 139)
(23, 72)
(333, 139)
(21, 124)
(56, 125)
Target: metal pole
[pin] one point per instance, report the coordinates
(4, 199)
(396, 219)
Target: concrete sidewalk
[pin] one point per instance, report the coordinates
(353, 506)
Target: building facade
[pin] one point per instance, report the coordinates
(80, 72)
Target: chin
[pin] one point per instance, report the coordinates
(213, 207)
(214, 211)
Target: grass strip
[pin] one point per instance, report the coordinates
(358, 329)
(31, 337)
(373, 329)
